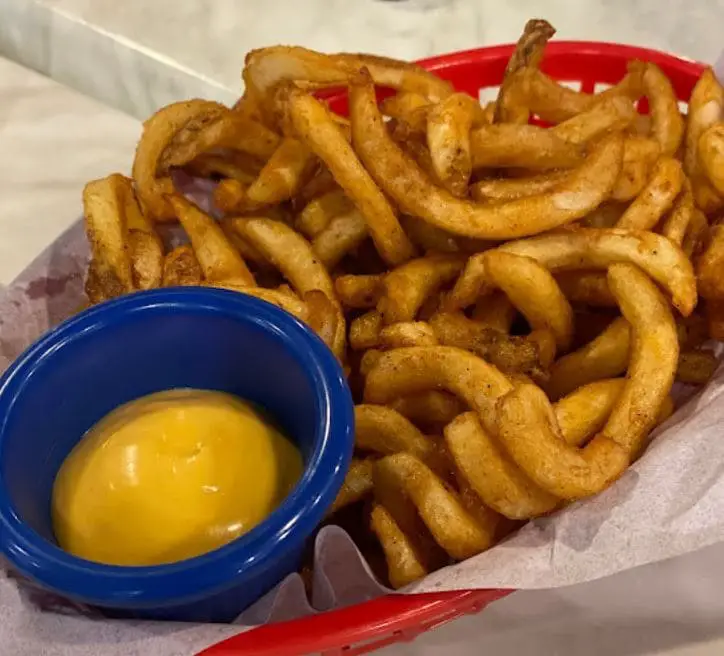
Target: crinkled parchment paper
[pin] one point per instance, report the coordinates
(669, 503)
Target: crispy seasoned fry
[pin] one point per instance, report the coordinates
(282, 176)
(448, 138)
(414, 193)
(588, 287)
(364, 331)
(667, 124)
(385, 431)
(361, 291)
(527, 55)
(528, 431)
(343, 234)
(368, 360)
(428, 408)
(357, 484)
(510, 145)
(430, 239)
(555, 103)
(677, 222)
(656, 198)
(496, 479)
(639, 156)
(146, 249)
(405, 563)
(406, 371)
(495, 311)
(230, 196)
(326, 319)
(697, 235)
(696, 367)
(588, 248)
(534, 292)
(584, 411)
(316, 128)
(509, 354)
(319, 212)
(406, 287)
(407, 333)
(279, 297)
(653, 358)
(218, 258)
(408, 107)
(105, 206)
(181, 268)
(710, 266)
(607, 356)
(711, 155)
(158, 132)
(453, 528)
(706, 107)
(614, 113)
(232, 164)
(505, 189)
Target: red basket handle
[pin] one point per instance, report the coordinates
(390, 618)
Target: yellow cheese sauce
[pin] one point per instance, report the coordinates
(171, 476)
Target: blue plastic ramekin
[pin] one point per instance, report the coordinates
(148, 342)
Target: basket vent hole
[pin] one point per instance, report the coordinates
(683, 106)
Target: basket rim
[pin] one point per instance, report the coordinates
(397, 613)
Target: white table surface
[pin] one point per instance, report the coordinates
(138, 55)
(52, 140)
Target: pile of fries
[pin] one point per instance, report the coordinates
(512, 303)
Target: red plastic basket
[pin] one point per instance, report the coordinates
(360, 629)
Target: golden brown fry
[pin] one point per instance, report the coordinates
(222, 129)
(710, 266)
(325, 318)
(232, 164)
(364, 331)
(410, 188)
(495, 311)
(534, 292)
(230, 196)
(697, 235)
(656, 198)
(607, 356)
(448, 138)
(706, 107)
(588, 248)
(509, 354)
(527, 55)
(320, 133)
(605, 215)
(158, 133)
(639, 156)
(408, 107)
(653, 358)
(614, 113)
(407, 286)
(267, 68)
(343, 235)
(677, 222)
(405, 563)
(406, 371)
(587, 287)
(427, 408)
(357, 484)
(368, 361)
(181, 268)
(555, 103)
(319, 212)
(104, 205)
(495, 478)
(509, 145)
(359, 291)
(667, 124)
(505, 189)
(282, 176)
(385, 431)
(279, 297)
(453, 528)
(585, 410)
(711, 155)
(407, 333)
(218, 258)
(428, 238)
(696, 367)
(528, 431)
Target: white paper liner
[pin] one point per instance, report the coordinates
(669, 503)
